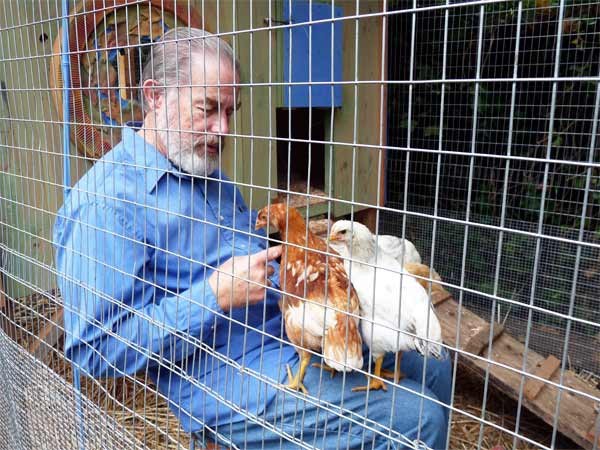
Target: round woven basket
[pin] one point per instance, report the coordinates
(108, 46)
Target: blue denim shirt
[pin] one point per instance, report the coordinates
(135, 242)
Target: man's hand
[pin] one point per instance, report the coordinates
(248, 283)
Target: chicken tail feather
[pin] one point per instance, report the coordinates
(342, 345)
(433, 331)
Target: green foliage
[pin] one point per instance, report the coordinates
(568, 195)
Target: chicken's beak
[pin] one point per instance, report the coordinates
(260, 223)
(334, 237)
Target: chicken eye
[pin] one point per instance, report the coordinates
(343, 231)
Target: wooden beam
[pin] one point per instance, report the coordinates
(481, 338)
(576, 415)
(48, 335)
(594, 431)
(438, 297)
(8, 308)
(544, 370)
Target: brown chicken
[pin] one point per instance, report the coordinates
(422, 270)
(312, 280)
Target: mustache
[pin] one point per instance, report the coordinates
(209, 140)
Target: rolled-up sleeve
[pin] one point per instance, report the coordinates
(118, 321)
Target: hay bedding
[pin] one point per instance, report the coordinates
(145, 414)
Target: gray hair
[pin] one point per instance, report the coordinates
(169, 59)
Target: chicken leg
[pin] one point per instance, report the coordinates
(374, 383)
(295, 381)
(325, 367)
(395, 375)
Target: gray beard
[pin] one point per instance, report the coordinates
(185, 159)
(192, 163)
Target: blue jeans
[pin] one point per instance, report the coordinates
(340, 418)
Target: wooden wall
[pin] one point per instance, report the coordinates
(30, 132)
(30, 145)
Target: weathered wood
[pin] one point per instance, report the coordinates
(594, 431)
(3, 302)
(48, 335)
(480, 339)
(7, 308)
(438, 297)
(356, 169)
(576, 413)
(544, 370)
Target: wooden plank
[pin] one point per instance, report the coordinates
(355, 171)
(3, 302)
(481, 338)
(7, 307)
(48, 336)
(576, 413)
(438, 297)
(544, 370)
(594, 431)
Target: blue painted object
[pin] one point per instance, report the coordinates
(297, 39)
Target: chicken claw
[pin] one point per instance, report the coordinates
(295, 381)
(391, 375)
(325, 367)
(374, 383)
(395, 375)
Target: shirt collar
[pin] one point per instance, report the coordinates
(146, 156)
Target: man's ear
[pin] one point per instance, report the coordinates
(153, 94)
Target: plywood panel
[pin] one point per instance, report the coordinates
(30, 144)
(356, 169)
(247, 160)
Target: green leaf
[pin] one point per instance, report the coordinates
(431, 131)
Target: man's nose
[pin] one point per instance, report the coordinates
(220, 123)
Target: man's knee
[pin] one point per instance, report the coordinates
(434, 425)
(426, 421)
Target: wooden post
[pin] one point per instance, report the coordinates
(7, 308)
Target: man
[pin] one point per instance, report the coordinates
(162, 273)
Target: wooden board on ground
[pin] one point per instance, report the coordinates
(7, 311)
(577, 413)
(48, 336)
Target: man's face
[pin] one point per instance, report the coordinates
(193, 121)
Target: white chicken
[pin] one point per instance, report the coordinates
(396, 247)
(389, 301)
(402, 250)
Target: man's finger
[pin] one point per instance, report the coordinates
(268, 254)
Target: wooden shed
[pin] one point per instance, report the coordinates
(31, 149)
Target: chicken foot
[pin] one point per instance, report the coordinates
(395, 375)
(374, 383)
(295, 381)
(325, 367)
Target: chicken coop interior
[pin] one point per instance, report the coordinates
(469, 128)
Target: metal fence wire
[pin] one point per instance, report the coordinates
(139, 307)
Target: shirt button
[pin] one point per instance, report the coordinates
(221, 218)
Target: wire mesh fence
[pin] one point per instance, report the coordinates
(150, 297)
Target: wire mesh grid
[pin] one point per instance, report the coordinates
(468, 127)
